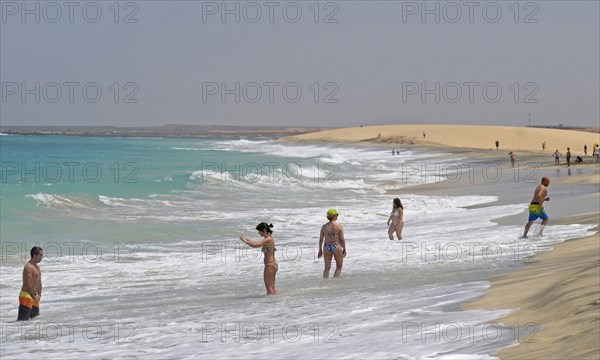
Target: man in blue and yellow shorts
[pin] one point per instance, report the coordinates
(536, 208)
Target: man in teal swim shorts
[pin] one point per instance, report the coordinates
(536, 208)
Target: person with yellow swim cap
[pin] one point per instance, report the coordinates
(332, 233)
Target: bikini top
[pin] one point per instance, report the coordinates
(395, 213)
(266, 249)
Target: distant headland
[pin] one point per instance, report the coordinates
(171, 130)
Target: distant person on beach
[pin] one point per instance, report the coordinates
(394, 151)
(424, 133)
(497, 144)
(557, 156)
(268, 248)
(396, 220)
(332, 233)
(597, 153)
(585, 150)
(512, 159)
(544, 146)
(31, 291)
(579, 159)
(568, 157)
(536, 208)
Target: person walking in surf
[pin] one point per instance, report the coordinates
(536, 208)
(395, 221)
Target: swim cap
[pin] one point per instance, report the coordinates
(331, 213)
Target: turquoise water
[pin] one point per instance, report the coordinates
(71, 174)
(68, 167)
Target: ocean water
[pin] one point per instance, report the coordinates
(143, 258)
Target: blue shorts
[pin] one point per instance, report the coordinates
(535, 211)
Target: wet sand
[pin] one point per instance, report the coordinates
(558, 298)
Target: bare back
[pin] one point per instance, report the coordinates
(540, 194)
(332, 231)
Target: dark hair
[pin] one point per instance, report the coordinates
(398, 204)
(264, 226)
(35, 250)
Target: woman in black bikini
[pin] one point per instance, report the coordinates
(268, 248)
(335, 244)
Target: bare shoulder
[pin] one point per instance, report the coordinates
(29, 268)
(270, 240)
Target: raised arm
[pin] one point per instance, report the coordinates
(255, 244)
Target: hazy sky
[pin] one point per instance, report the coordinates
(303, 63)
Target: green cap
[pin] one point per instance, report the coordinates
(331, 213)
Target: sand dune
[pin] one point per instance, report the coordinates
(463, 136)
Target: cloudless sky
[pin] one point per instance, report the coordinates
(355, 62)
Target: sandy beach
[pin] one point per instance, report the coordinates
(557, 297)
(557, 294)
(462, 136)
